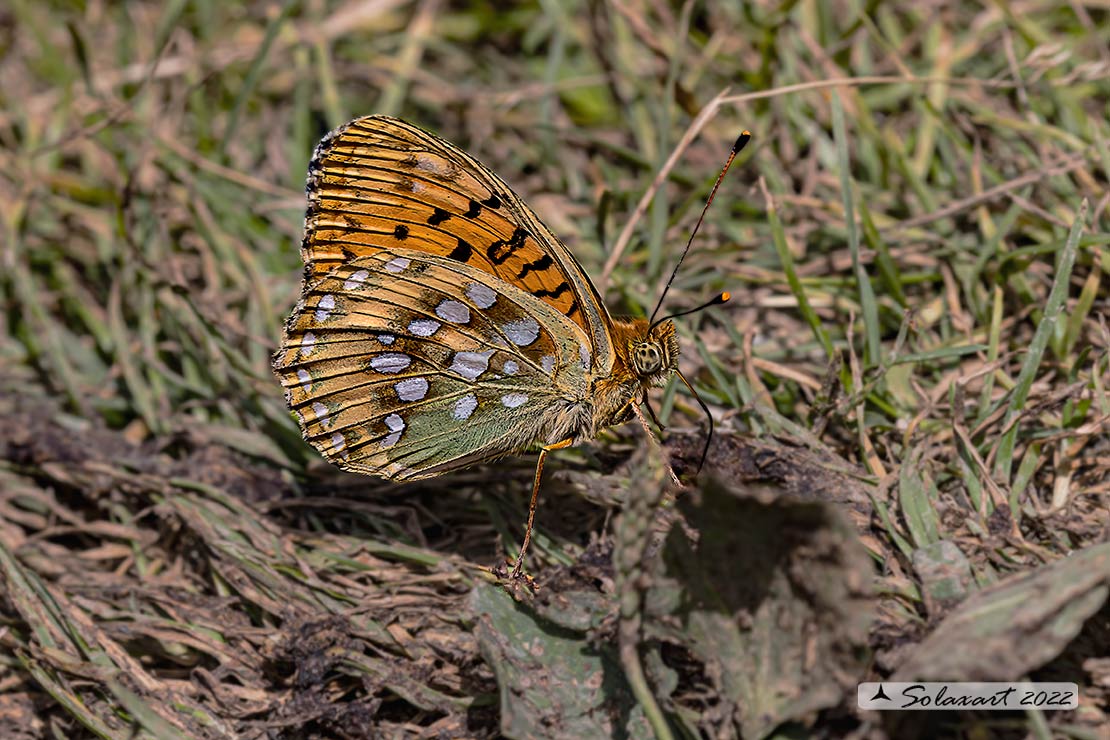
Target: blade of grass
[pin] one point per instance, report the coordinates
(1057, 298)
(254, 73)
(870, 311)
(786, 261)
(916, 494)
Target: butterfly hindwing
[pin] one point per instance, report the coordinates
(379, 183)
(404, 365)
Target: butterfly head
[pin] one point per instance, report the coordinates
(654, 353)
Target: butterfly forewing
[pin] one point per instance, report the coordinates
(379, 183)
(405, 364)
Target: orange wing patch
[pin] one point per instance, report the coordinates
(379, 184)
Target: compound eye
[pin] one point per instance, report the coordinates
(647, 358)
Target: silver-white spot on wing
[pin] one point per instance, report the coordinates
(547, 362)
(424, 327)
(390, 362)
(428, 165)
(510, 367)
(356, 280)
(305, 378)
(321, 413)
(480, 295)
(396, 425)
(324, 307)
(522, 332)
(470, 364)
(453, 311)
(386, 339)
(397, 264)
(338, 445)
(308, 343)
(584, 355)
(411, 389)
(465, 406)
(512, 400)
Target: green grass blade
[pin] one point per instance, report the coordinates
(1057, 298)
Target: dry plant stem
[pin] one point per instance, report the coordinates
(634, 672)
(688, 137)
(1068, 164)
(722, 98)
(633, 532)
(867, 447)
(860, 81)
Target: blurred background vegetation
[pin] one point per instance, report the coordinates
(917, 245)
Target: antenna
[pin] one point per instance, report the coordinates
(708, 415)
(741, 140)
(715, 301)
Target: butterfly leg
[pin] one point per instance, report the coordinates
(651, 412)
(535, 500)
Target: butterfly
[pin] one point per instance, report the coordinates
(441, 324)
